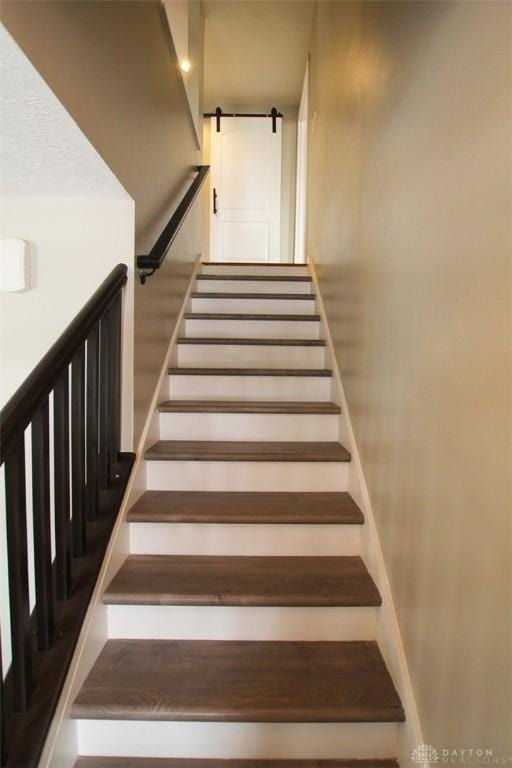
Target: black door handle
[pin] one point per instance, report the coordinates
(214, 200)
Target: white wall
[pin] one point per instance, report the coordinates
(75, 243)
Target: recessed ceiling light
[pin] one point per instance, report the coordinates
(185, 65)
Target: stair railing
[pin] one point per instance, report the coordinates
(149, 263)
(63, 478)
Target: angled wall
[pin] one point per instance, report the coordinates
(410, 228)
(113, 67)
(57, 194)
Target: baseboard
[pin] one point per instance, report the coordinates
(61, 746)
(388, 630)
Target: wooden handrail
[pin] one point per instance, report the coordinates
(18, 411)
(154, 259)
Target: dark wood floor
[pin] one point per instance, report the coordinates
(245, 507)
(244, 581)
(155, 762)
(262, 296)
(256, 278)
(239, 681)
(323, 373)
(233, 450)
(240, 341)
(248, 406)
(248, 316)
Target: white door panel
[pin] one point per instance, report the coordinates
(248, 238)
(246, 177)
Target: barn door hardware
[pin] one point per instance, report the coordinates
(273, 114)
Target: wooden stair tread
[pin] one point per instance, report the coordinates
(252, 264)
(239, 681)
(258, 278)
(242, 581)
(246, 507)
(183, 762)
(305, 372)
(250, 342)
(252, 316)
(247, 406)
(234, 450)
(270, 296)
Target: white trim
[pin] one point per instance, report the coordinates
(61, 746)
(388, 630)
(269, 539)
(236, 740)
(302, 174)
(228, 622)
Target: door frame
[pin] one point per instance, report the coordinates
(299, 252)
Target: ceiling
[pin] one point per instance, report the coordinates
(255, 52)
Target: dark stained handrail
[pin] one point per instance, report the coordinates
(154, 259)
(18, 411)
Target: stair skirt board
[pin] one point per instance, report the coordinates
(248, 387)
(215, 622)
(246, 476)
(249, 539)
(244, 426)
(231, 740)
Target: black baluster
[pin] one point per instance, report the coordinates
(78, 452)
(104, 454)
(93, 347)
(114, 428)
(42, 529)
(16, 512)
(62, 506)
(3, 712)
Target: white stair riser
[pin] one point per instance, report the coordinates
(255, 329)
(246, 476)
(269, 539)
(216, 268)
(252, 286)
(249, 426)
(218, 622)
(249, 356)
(147, 738)
(254, 306)
(282, 388)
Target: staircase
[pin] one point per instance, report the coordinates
(242, 625)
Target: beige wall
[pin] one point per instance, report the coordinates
(410, 228)
(111, 65)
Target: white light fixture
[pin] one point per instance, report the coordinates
(14, 265)
(185, 65)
